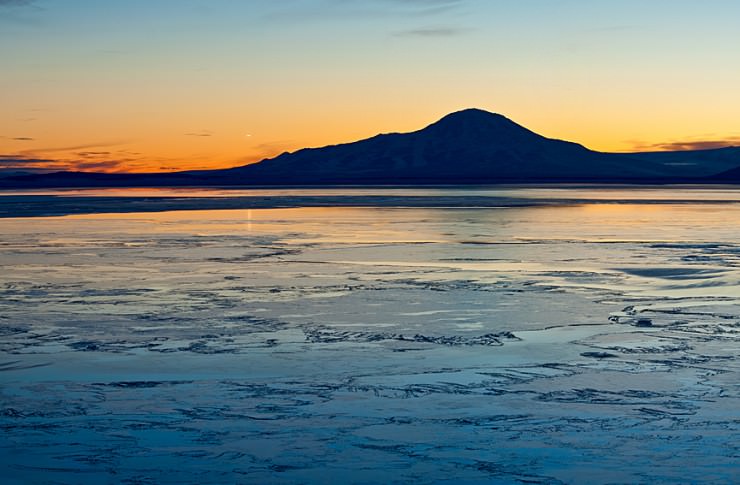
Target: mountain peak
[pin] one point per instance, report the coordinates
(472, 116)
(474, 121)
(472, 113)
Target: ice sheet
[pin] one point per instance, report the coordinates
(594, 342)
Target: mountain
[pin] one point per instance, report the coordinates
(18, 172)
(463, 147)
(695, 163)
(731, 176)
(469, 146)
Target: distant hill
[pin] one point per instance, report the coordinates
(694, 163)
(19, 173)
(13, 167)
(469, 146)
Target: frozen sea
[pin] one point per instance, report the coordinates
(437, 335)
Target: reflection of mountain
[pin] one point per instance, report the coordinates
(470, 146)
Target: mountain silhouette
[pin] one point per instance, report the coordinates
(465, 146)
(469, 146)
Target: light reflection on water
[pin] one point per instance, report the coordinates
(593, 222)
(611, 193)
(481, 243)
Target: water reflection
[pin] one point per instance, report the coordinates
(572, 192)
(579, 222)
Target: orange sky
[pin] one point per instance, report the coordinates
(194, 84)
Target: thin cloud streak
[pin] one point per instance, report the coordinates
(419, 7)
(16, 3)
(40, 152)
(83, 157)
(14, 162)
(432, 32)
(16, 11)
(17, 138)
(119, 161)
(691, 145)
(7, 161)
(301, 10)
(89, 155)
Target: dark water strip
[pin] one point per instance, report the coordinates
(51, 205)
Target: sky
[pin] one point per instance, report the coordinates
(161, 85)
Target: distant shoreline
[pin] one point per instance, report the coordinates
(30, 203)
